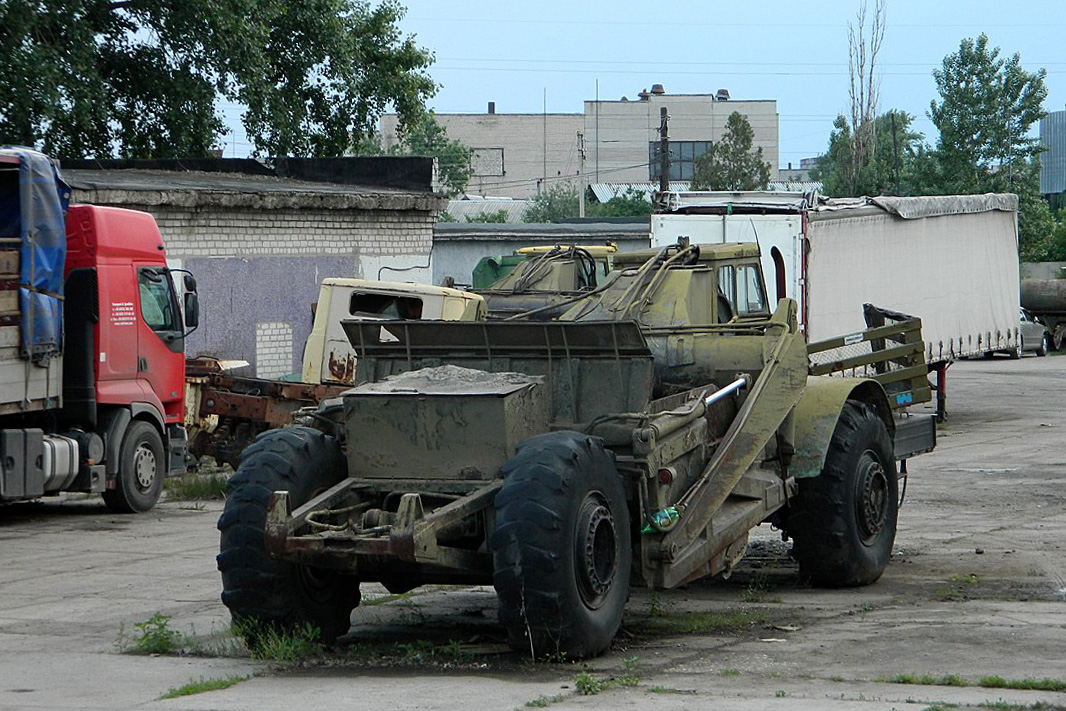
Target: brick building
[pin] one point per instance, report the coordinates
(259, 241)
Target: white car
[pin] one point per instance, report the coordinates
(1035, 336)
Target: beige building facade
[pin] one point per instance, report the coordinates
(622, 137)
(517, 155)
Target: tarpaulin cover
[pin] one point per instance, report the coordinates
(37, 214)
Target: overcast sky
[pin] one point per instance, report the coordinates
(548, 54)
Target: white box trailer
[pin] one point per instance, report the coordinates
(950, 260)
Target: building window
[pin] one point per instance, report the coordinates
(487, 162)
(683, 155)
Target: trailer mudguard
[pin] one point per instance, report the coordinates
(818, 411)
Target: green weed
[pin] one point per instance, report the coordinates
(202, 685)
(268, 643)
(155, 636)
(587, 684)
(545, 701)
(630, 672)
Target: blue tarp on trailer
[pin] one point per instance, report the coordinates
(37, 215)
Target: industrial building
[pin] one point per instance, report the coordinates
(1053, 159)
(617, 141)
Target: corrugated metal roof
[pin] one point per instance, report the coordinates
(606, 191)
(794, 186)
(538, 232)
(463, 209)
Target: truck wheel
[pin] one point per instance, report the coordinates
(258, 590)
(561, 552)
(843, 521)
(141, 470)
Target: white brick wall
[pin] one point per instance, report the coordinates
(244, 232)
(273, 349)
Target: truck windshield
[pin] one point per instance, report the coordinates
(158, 305)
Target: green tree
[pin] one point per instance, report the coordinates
(987, 106)
(492, 218)
(142, 78)
(730, 163)
(428, 138)
(893, 168)
(631, 203)
(553, 203)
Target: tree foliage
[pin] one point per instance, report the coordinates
(864, 44)
(557, 201)
(426, 137)
(143, 78)
(895, 167)
(987, 106)
(730, 163)
(631, 203)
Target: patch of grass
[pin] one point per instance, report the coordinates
(689, 623)
(730, 672)
(588, 685)
(196, 487)
(545, 701)
(836, 677)
(668, 690)
(202, 685)
(930, 680)
(998, 682)
(155, 636)
(957, 588)
(267, 643)
(780, 693)
(1001, 705)
(987, 682)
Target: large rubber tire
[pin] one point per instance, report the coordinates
(1045, 345)
(142, 466)
(843, 521)
(561, 546)
(257, 589)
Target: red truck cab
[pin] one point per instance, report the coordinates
(118, 285)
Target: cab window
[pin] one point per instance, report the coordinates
(158, 305)
(750, 297)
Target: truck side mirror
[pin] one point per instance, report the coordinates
(192, 309)
(190, 282)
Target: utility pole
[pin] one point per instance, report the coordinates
(664, 151)
(581, 172)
